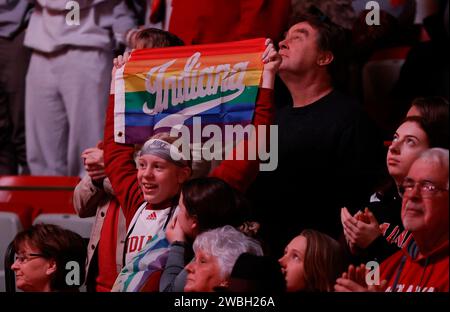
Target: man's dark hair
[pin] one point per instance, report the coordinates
(331, 37)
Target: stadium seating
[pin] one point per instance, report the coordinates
(379, 76)
(44, 194)
(71, 222)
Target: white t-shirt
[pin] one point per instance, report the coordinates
(148, 223)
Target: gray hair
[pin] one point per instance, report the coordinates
(226, 244)
(438, 156)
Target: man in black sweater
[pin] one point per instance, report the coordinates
(330, 154)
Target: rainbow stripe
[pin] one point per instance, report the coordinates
(160, 88)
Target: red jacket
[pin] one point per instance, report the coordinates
(210, 21)
(121, 168)
(415, 272)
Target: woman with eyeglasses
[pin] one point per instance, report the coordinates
(377, 232)
(49, 258)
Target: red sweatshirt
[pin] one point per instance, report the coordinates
(121, 168)
(107, 244)
(415, 272)
(210, 21)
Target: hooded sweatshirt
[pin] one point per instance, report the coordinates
(410, 271)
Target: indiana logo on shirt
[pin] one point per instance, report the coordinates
(152, 216)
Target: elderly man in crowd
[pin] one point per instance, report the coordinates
(422, 265)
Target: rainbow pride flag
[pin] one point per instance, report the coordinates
(158, 89)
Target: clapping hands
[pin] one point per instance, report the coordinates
(361, 229)
(354, 280)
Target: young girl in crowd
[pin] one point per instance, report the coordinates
(94, 196)
(150, 201)
(311, 262)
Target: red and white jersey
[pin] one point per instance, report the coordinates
(145, 224)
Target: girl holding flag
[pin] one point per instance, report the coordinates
(150, 201)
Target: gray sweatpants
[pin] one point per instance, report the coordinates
(14, 59)
(66, 98)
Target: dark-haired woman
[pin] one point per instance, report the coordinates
(205, 203)
(377, 232)
(45, 255)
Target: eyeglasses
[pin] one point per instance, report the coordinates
(24, 258)
(427, 189)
